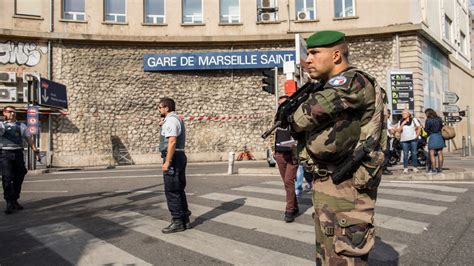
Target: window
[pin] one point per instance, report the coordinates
(74, 10)
(192, 12)
(344, 8)
(448, 28)
(115, 11)
(28, 7)
(463, 44)
(267, 10)
(230, 11)
(305, 9)
(154, 11)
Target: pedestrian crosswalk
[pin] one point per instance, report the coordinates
(258, 205)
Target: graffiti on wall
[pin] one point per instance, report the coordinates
(21, 53)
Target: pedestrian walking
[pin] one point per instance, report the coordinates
(433, 126)
(12, 163)
(409, 129)
(172, 143)
(287, 162)
(388, 149)
(346, 114)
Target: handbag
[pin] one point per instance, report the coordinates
(448, 132)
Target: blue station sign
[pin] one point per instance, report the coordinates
(217, 60)
(52, 94)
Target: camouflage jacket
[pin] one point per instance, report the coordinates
(340, 116)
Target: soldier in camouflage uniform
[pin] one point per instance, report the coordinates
(335, 121)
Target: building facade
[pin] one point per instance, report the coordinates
(97, 49)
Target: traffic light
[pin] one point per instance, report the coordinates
(269, 81)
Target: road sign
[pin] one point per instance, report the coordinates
(32, 120)
(52, 94)
(451, 108)
(453, 119)
(450, 97)
(401, 87)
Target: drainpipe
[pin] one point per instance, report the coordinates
(50, 75)
(289, 20)
(397, 48)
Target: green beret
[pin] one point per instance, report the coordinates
(324, 38)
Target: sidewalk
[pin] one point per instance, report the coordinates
(456, 168)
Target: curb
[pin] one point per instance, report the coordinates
(455, 176)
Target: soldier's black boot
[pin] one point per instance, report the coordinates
(10, 207)
(187, 221)
(176, 225)
(17, 205)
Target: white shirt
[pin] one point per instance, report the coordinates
(409, 132)
(171, 126)
(389, 128)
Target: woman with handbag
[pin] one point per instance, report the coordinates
(409, 129)
(433, 126)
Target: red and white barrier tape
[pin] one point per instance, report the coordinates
(223, 117)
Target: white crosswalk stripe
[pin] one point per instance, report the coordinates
(423, 186)
(81, 248)
(235, 252)
(295, 231)
(255, 202)
(399, 224)
(410, 206)
(417, 194)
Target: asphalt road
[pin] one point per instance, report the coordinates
(115, 217)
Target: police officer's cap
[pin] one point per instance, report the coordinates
(324, 38)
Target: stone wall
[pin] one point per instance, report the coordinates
(113, 102)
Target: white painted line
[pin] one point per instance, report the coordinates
(264, 190)
(295, 231)
(417, 194)
(383, 221)
(44, 191)
(399, 224)
(410, 206)
(255, 202)
(217, 247)
(89, 178)
(85, 172)
(424, 186)
(146, 192)
(275, 183)
(271, 191)
(81, 248)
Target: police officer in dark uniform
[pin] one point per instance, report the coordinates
(12, 134)
(172, 143)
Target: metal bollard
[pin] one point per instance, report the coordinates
(469, 153)
(230, 169)
(464, 147)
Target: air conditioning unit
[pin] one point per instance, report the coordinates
(8, 77)
(268, 16)
(303, 15)
(34, 74)
(268, 4)
(8, 94)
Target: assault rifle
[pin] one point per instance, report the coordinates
(342, 173)
(291, 104)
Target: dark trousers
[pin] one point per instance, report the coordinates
(13, 173)
(288, 169)
(387, 153)
(175, 183)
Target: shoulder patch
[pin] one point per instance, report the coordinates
(338, 81)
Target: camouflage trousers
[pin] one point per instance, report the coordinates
(343, 222)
